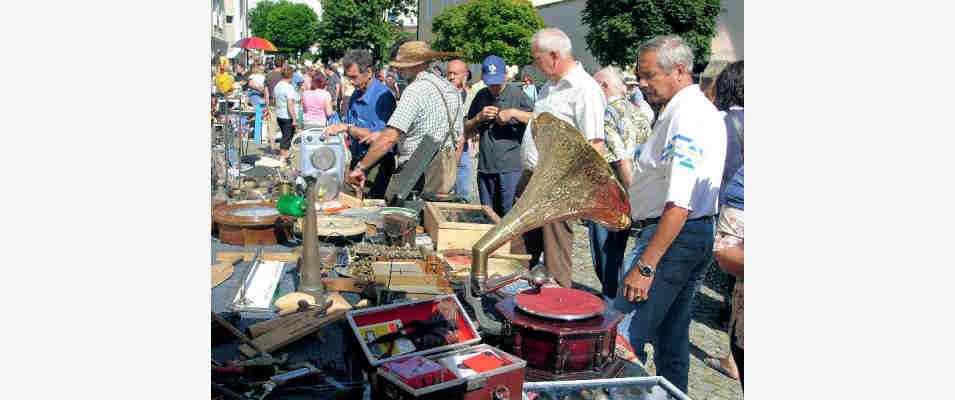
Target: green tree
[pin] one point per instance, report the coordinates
(291, 27)
(360, 24)
(618, 27)
(480, 28)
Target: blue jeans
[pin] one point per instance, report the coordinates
(497, 190)
(664, 318)
(462, 186)
(607, 249)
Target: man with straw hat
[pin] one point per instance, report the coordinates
(430, 109)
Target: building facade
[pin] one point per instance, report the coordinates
(219, 44)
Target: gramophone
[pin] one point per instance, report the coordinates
(563, 333)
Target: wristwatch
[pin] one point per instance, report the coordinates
(644, 269)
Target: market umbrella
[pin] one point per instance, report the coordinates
(254, 42)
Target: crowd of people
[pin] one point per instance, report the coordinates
(675, 147)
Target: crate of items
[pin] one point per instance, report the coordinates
(459, 226)
(430, 349)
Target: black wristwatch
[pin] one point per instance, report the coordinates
(644, 269)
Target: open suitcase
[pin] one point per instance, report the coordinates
(458, 368)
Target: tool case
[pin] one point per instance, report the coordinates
(470, 370)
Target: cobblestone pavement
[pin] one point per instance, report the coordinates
(705, 338)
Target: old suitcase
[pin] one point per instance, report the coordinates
(471, 370)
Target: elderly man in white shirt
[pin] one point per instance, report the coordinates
(673, 200)
(572, 95)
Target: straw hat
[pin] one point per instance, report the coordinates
(415, 53)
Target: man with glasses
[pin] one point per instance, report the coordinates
(369, 109)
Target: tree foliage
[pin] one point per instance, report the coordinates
(359, 24)
(618, 27)
(291, 27)
(480, 28)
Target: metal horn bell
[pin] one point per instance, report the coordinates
(571, 181)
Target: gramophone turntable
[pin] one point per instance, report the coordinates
(562, 333)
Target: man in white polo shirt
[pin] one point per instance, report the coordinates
(673, 201)
(572, 95)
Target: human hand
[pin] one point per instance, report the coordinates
(334, 129)
(489, 113)
(504, 116)
(636, 287)
(357, 177)
(371, 138)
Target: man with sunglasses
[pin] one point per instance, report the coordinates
(369, 109)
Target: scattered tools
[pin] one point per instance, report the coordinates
(304, 309)
(287, 334)
(296, 374)
(291, 302)
(253, 347)
(248, 255)
(222, 270)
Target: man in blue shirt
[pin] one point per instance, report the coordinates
(369, 109)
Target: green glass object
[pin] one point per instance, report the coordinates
(291, 205)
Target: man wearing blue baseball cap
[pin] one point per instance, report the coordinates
(499, 115)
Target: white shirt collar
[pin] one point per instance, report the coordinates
(684, 93)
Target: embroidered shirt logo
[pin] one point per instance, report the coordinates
(682, 150)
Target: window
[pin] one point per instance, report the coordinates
(228, 19)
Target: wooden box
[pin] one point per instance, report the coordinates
(505, 381)
(443, 221)
(563, 350)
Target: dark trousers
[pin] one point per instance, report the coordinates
(287, 132)
(555, 241)
(497, 190)
(607, 249)
(664, 318)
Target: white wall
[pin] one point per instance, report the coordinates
(728, 42)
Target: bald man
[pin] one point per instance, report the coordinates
(458, 74)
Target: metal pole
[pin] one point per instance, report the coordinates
(311, 268)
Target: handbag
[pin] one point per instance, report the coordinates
(443, 170)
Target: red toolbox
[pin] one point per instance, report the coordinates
(404, 343)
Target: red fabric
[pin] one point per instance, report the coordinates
(412, 312)
(484, 362)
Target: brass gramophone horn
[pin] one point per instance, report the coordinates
(571, 181)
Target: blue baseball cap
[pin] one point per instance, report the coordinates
(492, 71)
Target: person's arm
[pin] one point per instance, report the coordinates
(636, 286)
(730, 260)
(683, 164)
(598, 144)
(328, 107)
(521, 116)
(624, 169)
(381, 146)
(290, 103)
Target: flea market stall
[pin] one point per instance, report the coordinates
(322, 293)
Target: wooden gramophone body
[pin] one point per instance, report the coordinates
(563, 350)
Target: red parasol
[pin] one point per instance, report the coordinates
(255, 43)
